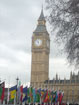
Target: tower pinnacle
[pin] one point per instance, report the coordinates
(41, 18)
(41, 26)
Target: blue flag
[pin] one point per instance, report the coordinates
(39, 91)
(56, 97)
(34, 95)
(13, 88)
(24, 94)
(13, 92)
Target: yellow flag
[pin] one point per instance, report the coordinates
(12, 94)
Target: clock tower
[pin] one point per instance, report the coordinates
(40, 53)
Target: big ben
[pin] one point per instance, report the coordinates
(40, 52)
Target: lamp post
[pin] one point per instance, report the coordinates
(17, 79)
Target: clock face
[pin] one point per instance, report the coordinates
(48, 43)
(38, 42)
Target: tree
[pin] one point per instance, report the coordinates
(63, 17)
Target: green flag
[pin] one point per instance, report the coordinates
(31, 94)
(28, 94)
(37, 97)
(29, 99)
(0, 92)
(54, 95)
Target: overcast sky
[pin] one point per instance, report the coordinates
(18, 20)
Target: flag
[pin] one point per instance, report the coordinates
(24, 94)
(19, 83)
(47, 98)
(34, 95)
(39, 91)
(51, 96)
(56, 97)
(31, 94)
(42, 93)
(37, 97)
(28, 94)
(60, 97)
(20, 93)
(21, 90)
(13, 92)
(2, 90)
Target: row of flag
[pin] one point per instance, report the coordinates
(30, 95)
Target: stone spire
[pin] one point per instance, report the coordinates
(59, 79)
(41, 26)
(71, 75)
(41, 18)
(56, 76)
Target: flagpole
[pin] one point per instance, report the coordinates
(3, 102)
(8, 97)
(14, 101)
(8, 90)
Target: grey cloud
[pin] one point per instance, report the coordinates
(18, 20)
(14, 11)
(7, 53)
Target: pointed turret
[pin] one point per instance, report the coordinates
(41, 18)
(56, 76)
(41, 26)
(71, 75)
(59, 79)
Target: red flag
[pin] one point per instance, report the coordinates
(3, 91)
(60, 96)
(46, 98)
(21, 90)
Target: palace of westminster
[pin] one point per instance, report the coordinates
(40, 65)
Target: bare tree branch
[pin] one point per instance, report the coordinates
(64, 17)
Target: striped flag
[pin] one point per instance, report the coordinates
(2, 91)
(13, 92)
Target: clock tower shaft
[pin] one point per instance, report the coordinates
(40, 53)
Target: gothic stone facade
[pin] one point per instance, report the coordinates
(40, 65)
(40, 53)
(69, 87)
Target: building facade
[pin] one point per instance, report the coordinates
(70, 87)
(40, 52)
(40, 65)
